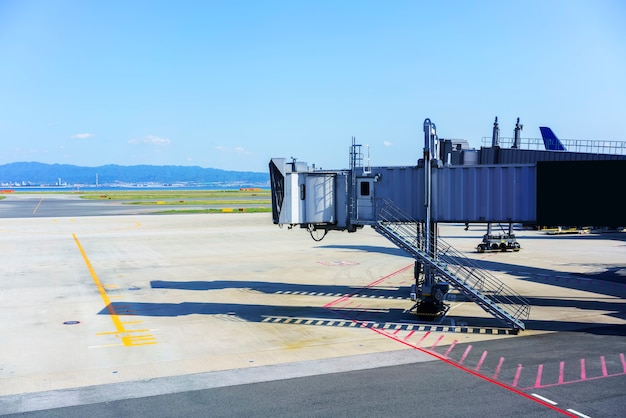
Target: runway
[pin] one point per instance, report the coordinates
(101, 305)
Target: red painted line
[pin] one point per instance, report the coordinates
(397, 331)
(483, 377)
(467, 350)
(423, 338)
(340, 300)
(460, 366)
(480, 362)
(517, 374)
(498, 368)
(603, 364)
(583, 373)
(382, 279)
(623, 361)
(345, 297)
(538, 379)
(437, 342)
(450, 348)
(561, 371)
(409, 335)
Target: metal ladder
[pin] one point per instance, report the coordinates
(463, 274)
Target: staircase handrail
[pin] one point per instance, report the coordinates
(451, 261)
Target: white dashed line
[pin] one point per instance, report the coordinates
(578, 413)
(551, 402)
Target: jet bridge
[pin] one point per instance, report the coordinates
(418, 197)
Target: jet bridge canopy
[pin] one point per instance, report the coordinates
(307, 197)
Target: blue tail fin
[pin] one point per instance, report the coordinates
(550, 140)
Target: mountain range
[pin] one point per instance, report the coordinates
(36, 174)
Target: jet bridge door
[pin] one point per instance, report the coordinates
(365, 199)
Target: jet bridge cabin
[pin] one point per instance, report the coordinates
(311, 199)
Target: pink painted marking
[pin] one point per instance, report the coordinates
(575, 381)
(498, 368)
(436, 342)
(621, 356)
(583, 373)
(397, 331)
(382, 279)
(423, 338)
(480, 362)
(450, 348)
(467, 350)
(517, 375)
(481, 376)
(409, 335)
(603, 365)
(539, 373)
(561, 371)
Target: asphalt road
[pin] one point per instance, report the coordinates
(431, 388)
(247, 319)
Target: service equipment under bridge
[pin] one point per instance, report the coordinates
(404, 204)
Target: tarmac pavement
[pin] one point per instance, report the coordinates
(95, 308)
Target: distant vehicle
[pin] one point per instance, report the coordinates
(550, 140)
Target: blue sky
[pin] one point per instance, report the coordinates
(230, 84)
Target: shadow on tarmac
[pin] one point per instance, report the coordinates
(610, 282)
(388, 292)
(311, 314)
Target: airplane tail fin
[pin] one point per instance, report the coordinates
(550, 140)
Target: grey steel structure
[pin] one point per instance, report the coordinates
(404, 204)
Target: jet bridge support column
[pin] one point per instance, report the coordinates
(429, 293)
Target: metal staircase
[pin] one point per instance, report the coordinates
(462, 273)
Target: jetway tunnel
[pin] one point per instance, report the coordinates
(573, 189)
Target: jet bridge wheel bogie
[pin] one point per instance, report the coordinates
(429, 311)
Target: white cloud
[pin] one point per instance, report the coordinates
(235, 150)
(387, 143)
(150, 139)
(242, 150)
(82, 136)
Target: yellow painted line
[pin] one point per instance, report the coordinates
(143, 337)
(127, 331)
(122, 332)
(138, 344)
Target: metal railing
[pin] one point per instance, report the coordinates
(478, 284)
(591, 146)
